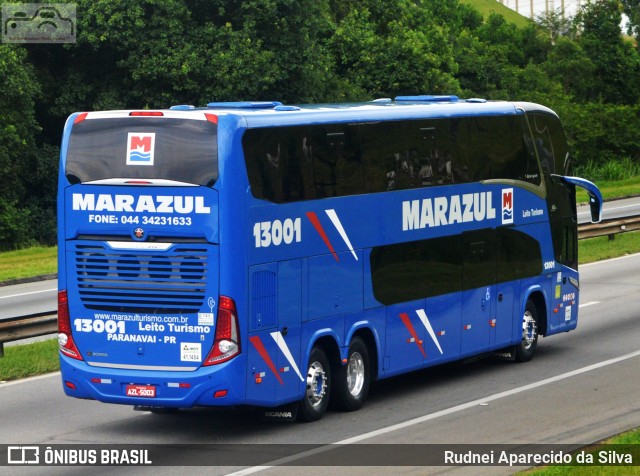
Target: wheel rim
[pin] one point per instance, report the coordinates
(316, 384)
(529, 330)
(355, 374)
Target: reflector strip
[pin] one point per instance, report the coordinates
(146, 113)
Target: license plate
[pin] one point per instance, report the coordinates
(146, 391)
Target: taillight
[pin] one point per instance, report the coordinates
(65, 339)
(226, 344)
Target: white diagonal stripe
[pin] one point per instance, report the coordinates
(425, 320)
(277, 336)
(336, 222)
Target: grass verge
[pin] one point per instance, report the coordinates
(21, 361)
(600, 248)
(625, 440)
(612, 189)
(27, 263)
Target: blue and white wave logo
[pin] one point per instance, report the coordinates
(140, 148)
(507, 206)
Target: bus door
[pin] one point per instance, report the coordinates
(479, 291)
(511, 248)
(273, 350)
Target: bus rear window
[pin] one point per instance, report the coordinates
(182, 150)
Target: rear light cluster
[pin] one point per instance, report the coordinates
(226, 344)
(65, 339)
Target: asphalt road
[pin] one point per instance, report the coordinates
(612, 209)
(29, 298)
(581, 387)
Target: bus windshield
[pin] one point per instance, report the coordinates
(180, 150)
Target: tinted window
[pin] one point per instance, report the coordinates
(550, 143)
(183, 150)
(421, 269)
(305, 162)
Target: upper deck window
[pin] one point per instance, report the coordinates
(292, 163)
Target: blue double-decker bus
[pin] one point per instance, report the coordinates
(255, 253)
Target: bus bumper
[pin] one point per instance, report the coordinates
(220, 385)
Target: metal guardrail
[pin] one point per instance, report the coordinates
(43, 323)
(24, 327)
(610, 227)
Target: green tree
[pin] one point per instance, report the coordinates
(616, 77)
(383, 52)
(631, 8)
(17, 144)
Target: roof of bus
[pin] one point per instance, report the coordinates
(274, 113)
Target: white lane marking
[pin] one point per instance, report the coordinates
(27, 380)
(587, 304)
(441, 413)
(608, 209)
(27, 294)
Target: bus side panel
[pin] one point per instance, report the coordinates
(423, 333)
(335, 284)
(274, 365)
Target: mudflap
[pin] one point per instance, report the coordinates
(508, 353)
(286, 413)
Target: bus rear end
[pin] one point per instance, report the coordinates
(141, 318)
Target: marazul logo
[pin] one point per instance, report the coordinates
(144, 203)
(507, 206)
(140, 148)
(469, 207)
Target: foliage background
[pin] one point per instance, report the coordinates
(157, 53)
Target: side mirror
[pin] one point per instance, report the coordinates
(595, 197)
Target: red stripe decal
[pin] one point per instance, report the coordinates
(257, 343)
(412, 331)
(313, 218)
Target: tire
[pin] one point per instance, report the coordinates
(351, 381)
(315, 401)
(527, 347)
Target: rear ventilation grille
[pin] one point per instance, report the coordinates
(171, 282)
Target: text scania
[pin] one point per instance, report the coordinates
(469, 207)
(142, 204)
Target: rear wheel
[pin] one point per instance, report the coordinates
(527, 347)
(351, 381)
(318, 387)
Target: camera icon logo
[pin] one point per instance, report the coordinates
(39, 23)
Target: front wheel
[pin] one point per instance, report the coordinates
(352, 380)
(527, 347)
(318, 387)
